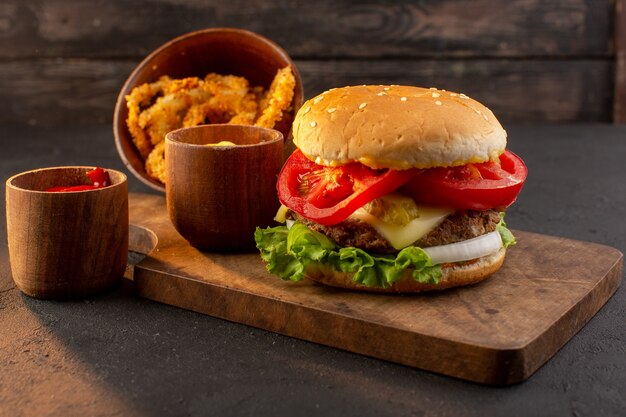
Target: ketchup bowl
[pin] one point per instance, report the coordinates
(67, 232)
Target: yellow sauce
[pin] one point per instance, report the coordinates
(222, 143)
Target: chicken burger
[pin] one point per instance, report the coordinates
(393, 189)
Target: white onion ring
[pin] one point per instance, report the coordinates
(466, 250)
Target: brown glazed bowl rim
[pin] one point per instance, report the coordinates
(131, 80)
(9, 182)
(170, 136)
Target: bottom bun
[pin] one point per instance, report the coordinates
(453, 276)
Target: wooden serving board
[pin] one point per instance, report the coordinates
(497, 332)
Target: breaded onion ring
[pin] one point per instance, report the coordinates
(155, 163)
(278, 98)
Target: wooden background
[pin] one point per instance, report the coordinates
(64, 61)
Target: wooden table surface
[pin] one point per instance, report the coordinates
(122, 355)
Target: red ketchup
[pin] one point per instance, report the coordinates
(99, 178)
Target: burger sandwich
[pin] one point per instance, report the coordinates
(393, 189)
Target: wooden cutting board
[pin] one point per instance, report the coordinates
(497, 332)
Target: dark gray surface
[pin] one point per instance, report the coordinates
(137, 357)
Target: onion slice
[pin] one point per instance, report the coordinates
(466, 250)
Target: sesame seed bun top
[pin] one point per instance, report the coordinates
(397, 127)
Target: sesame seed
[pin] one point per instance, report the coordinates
(435, 95)
(485, 117)
(453, 94)
(386, 88)
(318, 99)
(318, 160)
(382, 93)
(313, 124)
(308, 109)
(463, 96)
(362, 105)
(402, 98)
(438, 103)
(433, 88)
(331, 110)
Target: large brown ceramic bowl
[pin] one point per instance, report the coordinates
(221, 50)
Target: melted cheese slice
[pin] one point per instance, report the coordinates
(402, 236)
(281, 214)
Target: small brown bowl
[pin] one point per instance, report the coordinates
(66, 244)
(217, 195)
(222, 50)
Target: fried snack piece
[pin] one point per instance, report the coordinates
(278, 98)
(155, 162)
(231, 102)
(139, 99)
(168, 112)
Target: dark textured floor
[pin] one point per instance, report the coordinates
(121, 355)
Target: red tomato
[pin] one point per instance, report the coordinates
(328, 195)
(99, 177)
(473, 186)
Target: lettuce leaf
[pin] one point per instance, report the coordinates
(287, 253)
(507, 237)
(274, 253)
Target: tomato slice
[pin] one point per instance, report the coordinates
(328, 195)
(473, 186)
